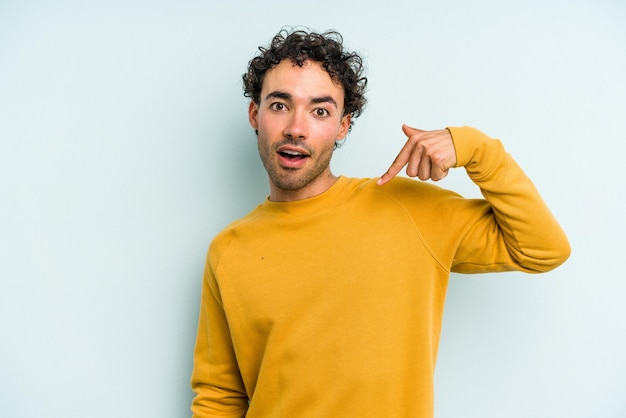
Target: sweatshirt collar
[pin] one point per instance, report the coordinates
(305, 206)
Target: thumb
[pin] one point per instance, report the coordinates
(409, 131)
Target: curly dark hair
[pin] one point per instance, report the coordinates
(345, 68)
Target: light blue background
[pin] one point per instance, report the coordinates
(124, 147)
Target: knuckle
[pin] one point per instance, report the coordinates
(438, 157)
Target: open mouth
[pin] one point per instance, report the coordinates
(292, 155)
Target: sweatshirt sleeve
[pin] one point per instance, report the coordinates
(215, 378)
(516, 230)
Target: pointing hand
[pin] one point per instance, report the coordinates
(426, 154)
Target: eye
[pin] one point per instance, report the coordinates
(278, 106)
(321, 112)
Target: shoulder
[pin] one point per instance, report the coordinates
(402, 188)
(403, 197)
(223, 239)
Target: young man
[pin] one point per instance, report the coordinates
(327, 299)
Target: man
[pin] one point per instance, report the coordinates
(327, 299)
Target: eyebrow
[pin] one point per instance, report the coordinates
(287, 96)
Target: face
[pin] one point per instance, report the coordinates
(298, 118)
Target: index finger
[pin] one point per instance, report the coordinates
(400, 161)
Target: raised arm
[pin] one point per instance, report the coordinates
(531, 234)
(511, 229)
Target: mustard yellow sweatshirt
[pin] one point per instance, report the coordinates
(331, 307)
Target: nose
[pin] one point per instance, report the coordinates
(297, 127)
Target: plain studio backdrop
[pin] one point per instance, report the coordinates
(124, 148)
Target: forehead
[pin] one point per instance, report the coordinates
(308, 81)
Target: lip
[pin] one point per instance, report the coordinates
(292, 163)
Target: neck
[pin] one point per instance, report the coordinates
(312, 189)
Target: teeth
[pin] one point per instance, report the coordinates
(292, 153)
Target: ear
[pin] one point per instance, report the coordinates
(253, 114)
(344, 126)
